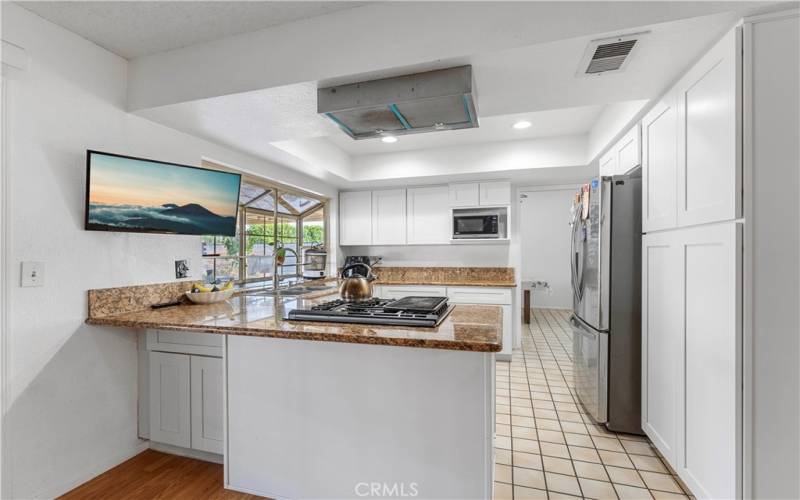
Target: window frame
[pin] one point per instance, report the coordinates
(276, 190)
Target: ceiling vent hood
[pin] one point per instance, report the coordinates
(410, 104)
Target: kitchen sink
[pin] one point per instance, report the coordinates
(291, 291)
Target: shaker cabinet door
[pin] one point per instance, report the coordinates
(659, 165)
(429, 220)
(661, 339)
(355, 218)
(709, 459)
(169, 399)
(709, 122)
(207, 404)
(389, 217)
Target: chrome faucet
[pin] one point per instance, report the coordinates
(275, 279)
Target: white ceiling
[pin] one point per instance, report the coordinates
(133, 28)
(537, 83)
(550, 123)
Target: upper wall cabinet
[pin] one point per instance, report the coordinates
(355, 218)
(389, 217)
(473, 194)
(465, 195)
(709, 121)
(659, 165)
(623, 156)
(428, 216)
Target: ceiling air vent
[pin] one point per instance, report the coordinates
(608, 54)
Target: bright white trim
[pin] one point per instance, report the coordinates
(772, 16)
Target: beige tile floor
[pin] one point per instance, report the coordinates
(547, 446)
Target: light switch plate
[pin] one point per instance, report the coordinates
(32, 274)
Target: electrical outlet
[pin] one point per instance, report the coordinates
(32, 274)
(182, 269)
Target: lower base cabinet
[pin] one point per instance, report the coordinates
(692, 354)
(185, 396)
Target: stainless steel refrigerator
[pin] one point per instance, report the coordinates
(606, 284)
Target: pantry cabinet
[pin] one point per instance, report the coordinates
(709, 130)
(691, 353)
(660, 165)
(428, 217)
(389, 217)
(662, 318)
(355, 218)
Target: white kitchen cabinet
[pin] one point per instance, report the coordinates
(464, 194)
(608, 163)
(389, 217)
(624, 155)
(662, 320)
(355, 218)
(400, 291)
(709, 124)
(207, 404)
(629, 151)
(485, 194)
(710, 423)
(659, 165)
(428, 218)
(691, 354)
(495, 193)
(169, 399)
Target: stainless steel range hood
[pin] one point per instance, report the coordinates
(410, 104)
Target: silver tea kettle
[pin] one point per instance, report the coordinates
(356, 288)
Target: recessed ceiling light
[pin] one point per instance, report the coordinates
(389, 139)
(522, 124)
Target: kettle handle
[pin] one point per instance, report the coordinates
(357, 264)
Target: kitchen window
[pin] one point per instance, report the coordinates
(271, 220)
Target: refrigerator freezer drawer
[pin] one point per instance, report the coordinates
(590, 355)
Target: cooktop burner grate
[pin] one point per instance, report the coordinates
(375, 311)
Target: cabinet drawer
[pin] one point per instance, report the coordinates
(206, 344)
(474, 295)
(398, 292)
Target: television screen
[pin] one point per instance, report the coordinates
(137, 195)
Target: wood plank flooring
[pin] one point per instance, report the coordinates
(154, 475)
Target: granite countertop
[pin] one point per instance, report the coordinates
(466, 328)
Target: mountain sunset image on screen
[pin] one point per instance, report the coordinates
(130, 194)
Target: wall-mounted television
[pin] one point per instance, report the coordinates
(130, 194)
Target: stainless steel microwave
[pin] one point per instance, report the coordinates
(476, 224)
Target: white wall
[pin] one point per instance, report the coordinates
(545, 243)
(72, 388)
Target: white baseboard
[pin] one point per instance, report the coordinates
(93, 472)
(187, 452)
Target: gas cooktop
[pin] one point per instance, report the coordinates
(408, 311)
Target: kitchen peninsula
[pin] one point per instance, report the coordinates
(322, 409)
